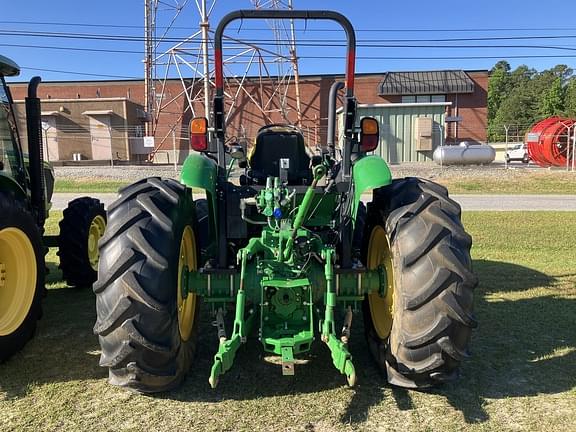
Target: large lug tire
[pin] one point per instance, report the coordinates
(147, 329)
(419, 333)
(81, 227)
(22, 271)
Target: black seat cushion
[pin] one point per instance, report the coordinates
(273, 144)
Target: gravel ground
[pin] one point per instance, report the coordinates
(426, 170)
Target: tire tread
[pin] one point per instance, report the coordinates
(433, 312)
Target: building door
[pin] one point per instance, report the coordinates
(100, 136)
(50, 138)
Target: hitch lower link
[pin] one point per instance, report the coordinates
(341, 357)
(224, 358)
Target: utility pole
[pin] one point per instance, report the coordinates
(148, 62)
(506, 150)
(204, 26)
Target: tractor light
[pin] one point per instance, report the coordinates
(199, 134)
(369, 134)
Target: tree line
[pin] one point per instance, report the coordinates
(520, 97)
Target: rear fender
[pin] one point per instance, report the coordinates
(368, 173)
(200, 172)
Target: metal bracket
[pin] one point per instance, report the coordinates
(219, 324)
(284, 167)
(287, 361)
(347, 326)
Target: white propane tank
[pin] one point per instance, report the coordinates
(465, 153)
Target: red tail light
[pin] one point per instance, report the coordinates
(199, 134)
(369, 134)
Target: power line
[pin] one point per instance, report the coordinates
(267, 41)
(103, 50)
(81, 73)
(336, 57)
(373, 30)
(317, 57)
(72, 49)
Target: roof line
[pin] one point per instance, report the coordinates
(317, 76)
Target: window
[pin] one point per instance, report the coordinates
(438, 98)
(8, 155)
(423, 98)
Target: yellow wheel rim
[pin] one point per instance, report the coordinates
(186, 302)
(381, 308)
(18, 274)
(95, 233)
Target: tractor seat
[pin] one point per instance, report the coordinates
(275, 142)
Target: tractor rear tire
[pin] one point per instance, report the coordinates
(81, 228)
(431, 312)
(138, 293)
(22, 272)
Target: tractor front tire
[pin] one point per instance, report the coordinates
(81, 227)
(419, 331)
(22, 273)
(146, 326)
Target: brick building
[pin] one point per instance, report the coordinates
(459, 96)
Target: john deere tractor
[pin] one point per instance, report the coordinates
(26, 186)
(286, 256)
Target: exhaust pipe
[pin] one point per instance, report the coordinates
(35, 150)
(332, 116)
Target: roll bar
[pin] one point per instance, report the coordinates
(218, 106)
(286, 14)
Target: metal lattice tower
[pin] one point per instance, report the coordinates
(272, 68)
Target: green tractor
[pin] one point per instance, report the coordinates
(284, 255)
(26, 186)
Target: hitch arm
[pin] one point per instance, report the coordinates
(224, 358)
(341, 357)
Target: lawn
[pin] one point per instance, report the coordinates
(86, 185)
(507, 182)
(522, 375)
(523, 182)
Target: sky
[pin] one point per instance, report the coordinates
(404, 35)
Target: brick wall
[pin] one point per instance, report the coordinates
(247, 118)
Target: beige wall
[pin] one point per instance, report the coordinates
(75, 131)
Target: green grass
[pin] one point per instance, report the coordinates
(91, 185)
(542, 182)
(88, 185)
(522, 375)
(526, 182)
